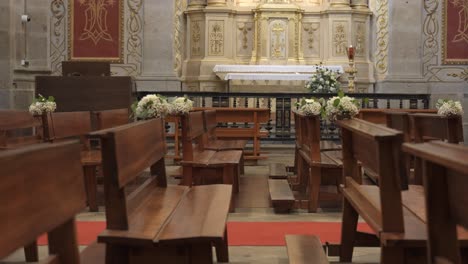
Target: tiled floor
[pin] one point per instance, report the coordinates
(260, 255)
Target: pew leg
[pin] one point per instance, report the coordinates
(31, 252)
(222, 249)
(392, 255)
(201, 254)
(91, 187)
(314, 188)
(348, 232)
(117, 254)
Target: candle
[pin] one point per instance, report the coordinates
(351, 50)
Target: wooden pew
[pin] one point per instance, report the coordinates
(397, 218)
(201, 166)
(432, 126)
(314, 166)
(305, 249)
(47, 204)
(446, 181)
(211, 141)
(66, 125)
(110, 118)
(240, 116)
(378, 116)
(19, 128)
(177, 156)
(157, 223)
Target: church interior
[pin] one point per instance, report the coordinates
(233, 131)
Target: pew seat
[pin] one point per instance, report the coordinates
(329, 159)
(221, 145)
(367, 199)
(305, 249)
(278, 171)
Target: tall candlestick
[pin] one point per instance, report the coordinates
(351, 71)
(351, 51)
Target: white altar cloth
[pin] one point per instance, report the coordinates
(270, 72)
(273, 68)
(267, 77)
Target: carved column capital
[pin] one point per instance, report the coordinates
(216, 2)
(197, 3)
(339, 3)
(359, 4)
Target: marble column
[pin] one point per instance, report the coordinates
(197, 3)
(339, 3)
(359, 4)
(216, 2)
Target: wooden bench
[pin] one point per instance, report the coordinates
(19, 128)
(110, 118)
(253, 117)
(431, 126)
(40, 207)
(305, 249)
(314, 166)
(211, 141)
(445, 177)
(65, 125)
(394, 216)
(157, 223)
(281, 196)
(201, 166)
(379, 116)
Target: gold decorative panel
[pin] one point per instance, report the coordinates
(278, 38)
(216, 38)
(245, 31)
(340, 38)
(195, 38)
(360, 38)
(311, 39)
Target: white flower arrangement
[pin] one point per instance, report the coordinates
(449, 108)
(151, 106)
(323, 81)
(181, 106)
(309, 107)
(42, 105)
(341, 106)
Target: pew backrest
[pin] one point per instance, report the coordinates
(110, 118)
(437, 126)
(64, 125)
(446, 181)
(19, 128)
(210, 124)
(127, 151)
(43, 188)
(378, 148)
(309, 139)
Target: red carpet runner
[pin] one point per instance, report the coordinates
(243, 233)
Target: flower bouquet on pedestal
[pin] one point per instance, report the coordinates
(309, 107)
(323, 81)
(449, 108)
(180, 106)
(341, 107)
(151, 106)
(41, 107)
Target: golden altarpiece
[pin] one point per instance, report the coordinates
(274, 32)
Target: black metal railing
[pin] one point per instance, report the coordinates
(280, 126)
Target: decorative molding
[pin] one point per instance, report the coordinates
(340, 39)
(58, 42)
(278, 37)
(216, 38)
(360, 39)
(178, 35)
(381, 55)
(311, 29)
(134, 47)
(195, 37)
(245, 28)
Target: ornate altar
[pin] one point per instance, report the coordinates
(274, 32)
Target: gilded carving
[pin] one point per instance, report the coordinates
(339, 39)
(463, 75)
(381, 55)
(58, 47)
(216, 38)
(195, 38)
(311, 29)
(278, 39)
(360, 39)
(245, 28)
